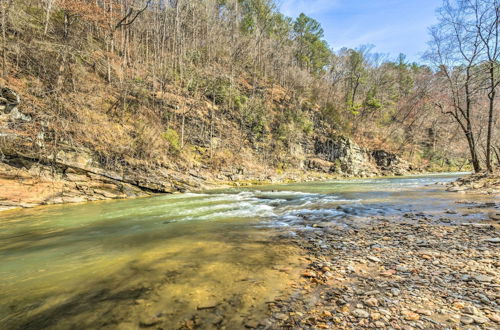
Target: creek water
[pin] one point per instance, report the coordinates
(116, 264)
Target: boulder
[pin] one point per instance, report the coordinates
(384, 159)
(9, 100)
(390, 163)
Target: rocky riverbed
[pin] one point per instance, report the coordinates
(417, 273)
(482, 183)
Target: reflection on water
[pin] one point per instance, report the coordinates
(160, 260)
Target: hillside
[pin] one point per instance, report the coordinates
(105, 99)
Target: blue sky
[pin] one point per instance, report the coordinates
(393, 26)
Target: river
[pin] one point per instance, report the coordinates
(130, 263)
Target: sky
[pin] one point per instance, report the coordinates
(392, 26)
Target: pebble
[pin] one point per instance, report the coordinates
(483, 278)
(410, 316)
(384, 311)
(494, 318)
(466, 320)
(327, 313)
(495, 240)
(395, 292)
(374, 259)
(360, 313)
(424, 312)
(479, 319)
(281, 316)
(309, 273)
(372, 293)
(351, 269)
(388, 273)
(372, 302)
(471, 310)
(402, 268)
(454, 318)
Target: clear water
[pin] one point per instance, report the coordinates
(112, 264)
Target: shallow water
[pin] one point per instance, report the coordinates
(115, 264)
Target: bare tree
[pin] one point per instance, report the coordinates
(5, 6)
(456, 51)
(48, 5)
(486, 18)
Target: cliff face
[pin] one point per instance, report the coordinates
(30, 175)
(343, 156)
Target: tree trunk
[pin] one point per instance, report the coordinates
(4, 39)
(473, 152)
(182, 129)
(491, 96)
(469, 133)
(48, 9)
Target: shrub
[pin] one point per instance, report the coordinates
(172, 137)
(218, 90)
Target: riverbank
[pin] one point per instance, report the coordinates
(419, 271)
(23, 188)
(482, 183)
(28, 184)
(88, 166)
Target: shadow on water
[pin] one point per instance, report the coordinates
(157, 278)
(101, 301)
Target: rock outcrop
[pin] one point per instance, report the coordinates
(389, 163)
(345, 155)
(342, 155)
(74, 177)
